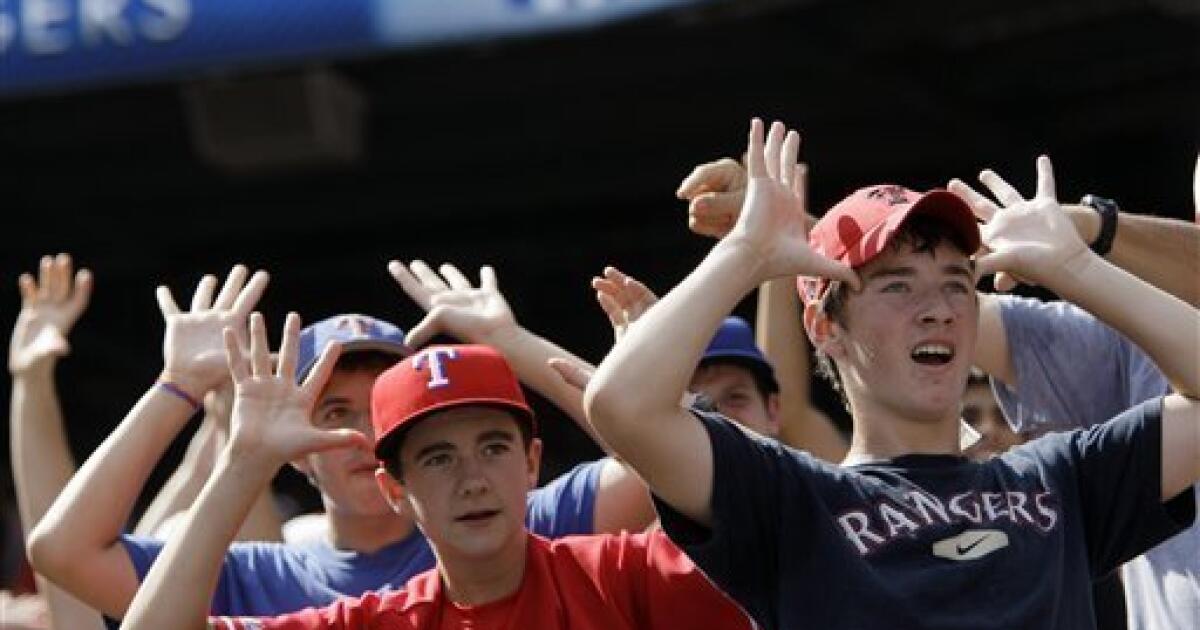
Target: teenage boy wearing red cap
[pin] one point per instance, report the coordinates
(909, 533)
(457, 441)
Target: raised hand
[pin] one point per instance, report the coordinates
(272, 414)
(772, 221)
(452, 305)
(50, 306)
(193, 355)
(623, 298)
(1026, 238)
(714, 192)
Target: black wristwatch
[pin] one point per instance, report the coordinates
(1107, 209)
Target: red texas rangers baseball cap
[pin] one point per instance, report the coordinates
(439, 378)
(860, 226)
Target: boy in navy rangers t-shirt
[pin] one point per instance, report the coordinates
(907, 533)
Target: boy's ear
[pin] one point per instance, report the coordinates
(824, 332)
(773, 403)
(533, 462)
(392, 490)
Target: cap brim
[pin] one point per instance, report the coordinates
(941, 204)
(357, 345)
(744, 359)
(386, 445)
(955, 211)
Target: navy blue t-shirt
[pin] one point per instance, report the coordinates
(931, 541)
(268, 579)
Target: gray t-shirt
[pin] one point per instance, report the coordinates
(1073, 371)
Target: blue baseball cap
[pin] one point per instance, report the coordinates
(355, 332)
(734, 343)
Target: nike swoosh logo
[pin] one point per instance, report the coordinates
(963, 550)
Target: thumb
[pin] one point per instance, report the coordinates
(425, 329)
(84, 281)
(709, 176)
(834, 270)
(322, 440)
(50, 341)
(1004, 282)
(994, 262)
(571, 373)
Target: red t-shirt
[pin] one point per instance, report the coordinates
(606, 582)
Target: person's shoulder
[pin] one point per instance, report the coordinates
(1121, 428)
(721, 427)
(422, 591)
(410, 607)
(590, 550)
(593, 547)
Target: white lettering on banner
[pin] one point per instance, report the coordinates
(52, 27)
(8, 27)
(884, 520)
(167, 20)
(98, 18)
(42, 24)
(437, 371)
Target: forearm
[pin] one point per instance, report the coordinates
(651, 366)
(780, 334)
(778, 330)
(41, 457)
(66, 612)
(1162, 325)
(991, 347)
(42, 466)
(185, 482)
(528, 354)
(179, 588)
(1163, 252)
(102, 494)
(263, 523)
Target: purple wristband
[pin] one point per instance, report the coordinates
(178, 391)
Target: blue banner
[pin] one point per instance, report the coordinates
(57, 44)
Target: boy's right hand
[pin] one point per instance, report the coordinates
(193, 354)
(772, 226)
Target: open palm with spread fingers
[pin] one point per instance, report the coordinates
(452, 305)
(50, 306)
(772, 221)
(623, 298)
(1030, 238)
(193, 354)
(271, 413)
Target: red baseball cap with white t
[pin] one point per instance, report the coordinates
(439, 378)
(860, 226)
